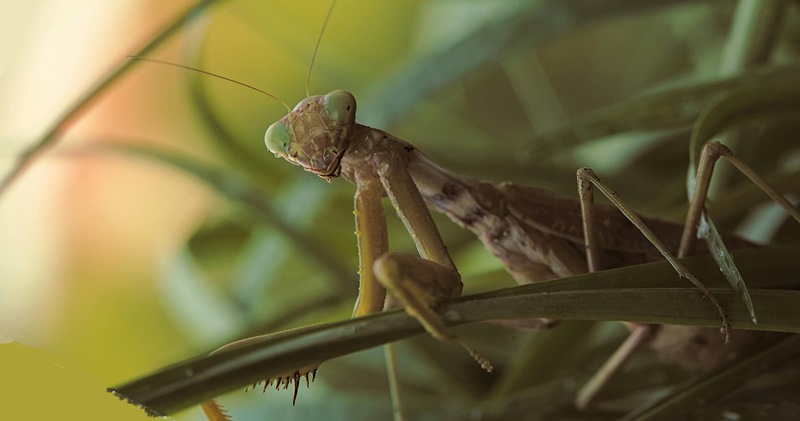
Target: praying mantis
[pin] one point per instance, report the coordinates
(535, 233)
(378, 161)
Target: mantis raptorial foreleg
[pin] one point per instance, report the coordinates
(373, 242)
(401, 273)
(420, 283)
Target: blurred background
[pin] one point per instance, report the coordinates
(158, 227)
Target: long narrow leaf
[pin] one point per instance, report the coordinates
(674, 106)
(534, 25)
(607, 295)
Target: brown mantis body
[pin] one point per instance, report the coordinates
(537, 234)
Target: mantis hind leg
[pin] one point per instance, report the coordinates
(712, 151)
(640, 333)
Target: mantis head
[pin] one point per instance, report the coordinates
(316, 133)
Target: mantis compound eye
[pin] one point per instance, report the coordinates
(277, 139)
(341, 107)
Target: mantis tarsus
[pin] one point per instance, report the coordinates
(537, 234)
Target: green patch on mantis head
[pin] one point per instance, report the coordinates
(316, 133)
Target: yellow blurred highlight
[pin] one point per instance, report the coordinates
(43, 389)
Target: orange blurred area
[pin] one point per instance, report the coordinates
(82, 233)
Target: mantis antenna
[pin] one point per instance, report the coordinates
(207, 73)
(316, 48)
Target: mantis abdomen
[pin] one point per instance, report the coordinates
(537, 233)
